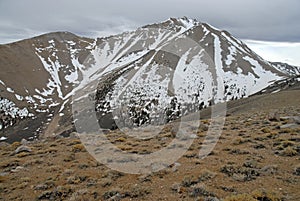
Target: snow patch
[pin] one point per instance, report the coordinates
(53, 69)
(18, 97)
(2, 138)
(29, 99)
(1, 82)
(10, 108)
(10, 90)
(72, 77)
(219, 70)
(187, 23)
(265, 77)
(231, 56)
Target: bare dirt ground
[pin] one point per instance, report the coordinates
(256, 158)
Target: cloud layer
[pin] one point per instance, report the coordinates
(276, 20)
(277, 51)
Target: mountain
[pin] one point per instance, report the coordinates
(286, 68)
(152, 75)
(292, 82)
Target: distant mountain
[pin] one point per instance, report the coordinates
(286, 68)
(158, 72)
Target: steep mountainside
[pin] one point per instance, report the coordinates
(286, 68)
(150, 76)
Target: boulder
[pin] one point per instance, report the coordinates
(291, 126)
(291, 119)
(274, 117)
(22, 148)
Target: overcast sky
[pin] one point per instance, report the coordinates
(264, 20)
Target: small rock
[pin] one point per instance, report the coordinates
(176, 187)
(274, 117)
(74, 135)
(269, 170)
(4, 144)
(45, 195)
(73, 180)
(145, 178)
(17, 169)
(24, 142)
(199, 190)
(297, 119)
(175, 167)
(182, 190)
(203, 127)
(3, 174)
(41, 187)
(297, 171)
(22, 148)
(211, 199)
(193, 136)
(259, 146)
(292, 126)
(116, 197)
(291, 119)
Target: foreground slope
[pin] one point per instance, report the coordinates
(256, 158)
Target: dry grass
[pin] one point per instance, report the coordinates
(3, 179)
(257, 195)
(240, 197)
(63, 170)
(289, 151)
(264, 195)
(78, 148)
(23, 154)
(266, 130)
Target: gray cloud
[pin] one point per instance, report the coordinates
(276, 20)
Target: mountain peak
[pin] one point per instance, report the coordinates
(184, 21)
(175, 24)
(58, 35)
(173, 64)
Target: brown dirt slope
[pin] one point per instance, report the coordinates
(256, 158)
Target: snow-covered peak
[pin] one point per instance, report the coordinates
(175, 24)
(184, 21)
